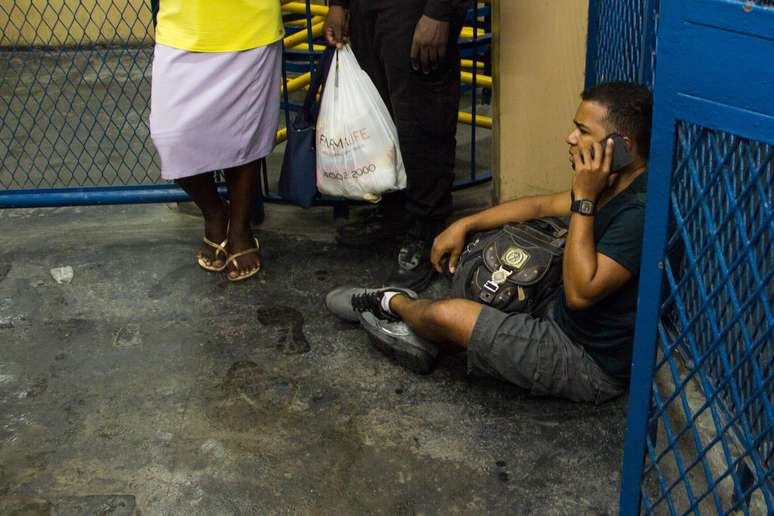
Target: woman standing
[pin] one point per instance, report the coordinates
(215, 106)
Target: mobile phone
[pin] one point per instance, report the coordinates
(622, 157)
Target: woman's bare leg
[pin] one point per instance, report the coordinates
(202, 190)
(242, 182)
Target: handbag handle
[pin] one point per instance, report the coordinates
(311, 107)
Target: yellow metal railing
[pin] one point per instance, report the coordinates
(297, 83)
(302, 35)
(482, 81)
(481, 120)
(468, 63)
(299, 41)
(289, 6)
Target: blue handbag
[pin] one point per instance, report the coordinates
(298, 176)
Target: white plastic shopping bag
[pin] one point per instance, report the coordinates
(358, 156)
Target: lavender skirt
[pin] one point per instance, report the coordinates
(214, 110)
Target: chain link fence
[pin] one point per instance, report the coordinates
(75, 88)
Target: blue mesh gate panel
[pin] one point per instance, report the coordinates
(700, 435)
(621, 41)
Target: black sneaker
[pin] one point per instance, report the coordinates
(414, 270)
(396, 340)
(374, 228)
(349, 302)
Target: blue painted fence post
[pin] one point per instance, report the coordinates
(660, 167)
(592, 42)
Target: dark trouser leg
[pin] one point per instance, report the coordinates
(424, 107)
(203, 192)
(363, 16)
(425, 110)
(386, 221)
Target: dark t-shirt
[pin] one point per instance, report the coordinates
(606, 330)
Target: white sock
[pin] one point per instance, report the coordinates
(386, 298)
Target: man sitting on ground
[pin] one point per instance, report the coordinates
(579, 345)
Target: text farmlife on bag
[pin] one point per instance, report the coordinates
(358, 156)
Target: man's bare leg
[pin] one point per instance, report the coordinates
(449, 321)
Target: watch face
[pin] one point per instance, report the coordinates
(586, 207)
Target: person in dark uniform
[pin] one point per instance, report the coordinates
(409, 50)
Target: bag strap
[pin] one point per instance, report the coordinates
(311, 106)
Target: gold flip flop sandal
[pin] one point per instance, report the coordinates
(206, 263)
(233, 257)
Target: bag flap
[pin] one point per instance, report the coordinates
(527, 249)
(527, 261)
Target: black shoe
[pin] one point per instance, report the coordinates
(414, 270)
(398, 342)
(375, 228)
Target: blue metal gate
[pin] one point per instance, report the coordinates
(700, 437)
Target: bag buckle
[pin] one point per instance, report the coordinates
(493, 284)
(499, 276)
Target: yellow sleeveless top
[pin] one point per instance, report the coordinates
(218, 25)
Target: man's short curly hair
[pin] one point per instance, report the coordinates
(629, 110)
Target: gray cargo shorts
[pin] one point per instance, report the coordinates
(535, 354)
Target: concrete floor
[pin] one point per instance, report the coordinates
(147, 385)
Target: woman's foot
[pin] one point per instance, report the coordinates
(244, 254)
(216, 231)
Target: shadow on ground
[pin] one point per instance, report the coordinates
(147, 384)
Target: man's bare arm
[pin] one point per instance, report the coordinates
(588, 275)
(519, 210)
(451, 241)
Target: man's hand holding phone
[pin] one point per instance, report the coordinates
(592, 169)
